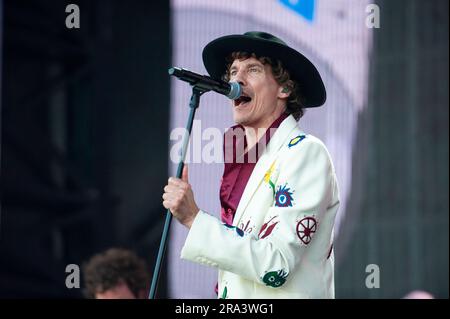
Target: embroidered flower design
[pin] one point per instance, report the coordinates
(268, 175)
(283, 197)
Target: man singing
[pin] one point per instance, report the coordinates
(275, 236)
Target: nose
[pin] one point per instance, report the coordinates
(239, 77)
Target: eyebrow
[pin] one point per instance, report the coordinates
(251, 65)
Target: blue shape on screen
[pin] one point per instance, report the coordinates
(305, 8)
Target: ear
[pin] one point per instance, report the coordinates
(284, 92)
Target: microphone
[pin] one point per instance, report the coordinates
(231, 90)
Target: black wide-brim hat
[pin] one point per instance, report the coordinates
(301, 69)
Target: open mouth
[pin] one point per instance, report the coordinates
(242, 100)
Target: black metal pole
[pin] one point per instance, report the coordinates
(193, 105)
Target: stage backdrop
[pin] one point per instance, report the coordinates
(333, 34)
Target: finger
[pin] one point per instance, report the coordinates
(184, 175)
(166, 204)
(179, 186)
(171, 197)
(170, 188)
(173, 181)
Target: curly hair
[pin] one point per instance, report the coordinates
(294, 103)
(112, 267)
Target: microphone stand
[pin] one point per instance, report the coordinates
(193, 105)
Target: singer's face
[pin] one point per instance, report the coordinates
(262, 100)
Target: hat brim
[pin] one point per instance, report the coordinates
(300, 68)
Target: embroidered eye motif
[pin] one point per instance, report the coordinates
(283, 197)
(275, 278)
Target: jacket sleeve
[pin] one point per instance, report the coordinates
(303, 192)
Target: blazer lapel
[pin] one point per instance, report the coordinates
(265, 161)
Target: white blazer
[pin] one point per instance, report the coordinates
(280, 243)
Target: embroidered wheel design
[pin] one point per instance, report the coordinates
(306, 229)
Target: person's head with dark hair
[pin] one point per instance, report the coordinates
(294, 104)
(275, 78)
(115, 274)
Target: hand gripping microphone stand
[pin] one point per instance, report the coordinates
(193, 105)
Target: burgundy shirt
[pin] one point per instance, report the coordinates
(239, 166)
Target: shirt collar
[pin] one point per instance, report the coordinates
(235, 136)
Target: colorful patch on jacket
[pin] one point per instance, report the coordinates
(246, 227)
(224, 293)
(296, 140)
(267, 228)
(268, 176)
(306, 228)
(275, 278)
(238, 231)
(283, 196)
